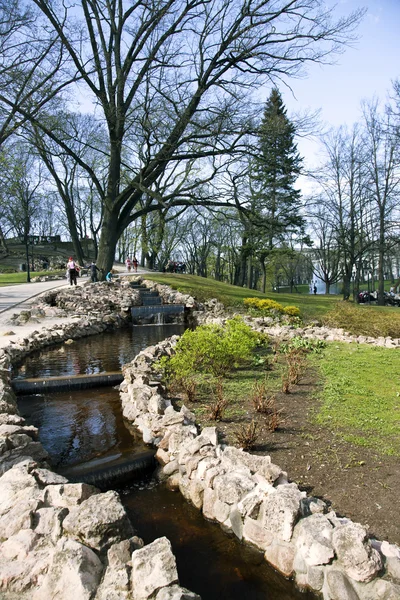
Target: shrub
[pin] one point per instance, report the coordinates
(247, 435)
(265, 306)
(292, 311)
(211, 349)
(219, 404)
(302, 344)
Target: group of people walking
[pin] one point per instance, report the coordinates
(129, 263)
(73, 270)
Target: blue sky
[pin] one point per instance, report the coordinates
(363, 71)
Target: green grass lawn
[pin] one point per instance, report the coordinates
(361, 395)
(17, 278)
(312, 307)
(366, 320)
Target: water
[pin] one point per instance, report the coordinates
(210, 563)
(85, 430)
(78, 427)
(94, 354)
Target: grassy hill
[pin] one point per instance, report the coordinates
(330, 310)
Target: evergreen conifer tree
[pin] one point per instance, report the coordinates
(275, 172)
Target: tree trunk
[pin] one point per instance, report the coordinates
(108, 243)
(264, 276)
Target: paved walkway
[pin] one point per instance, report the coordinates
(15, 298)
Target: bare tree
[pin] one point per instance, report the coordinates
(32, 67)
(173, 82)
(383, 145)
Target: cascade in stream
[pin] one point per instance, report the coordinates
(152, 310)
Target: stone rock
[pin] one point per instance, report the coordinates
(236, 522)
(75, 572)
(176, 592)
(171, 468)
(153, 568)
(281, 556)
(379, 589)
(196, 493)
(338, 587)
(279, 511)
(162, 457)
(68, 495)
(392, 565)
(46, 477)
(48, 522)
(315, 577)
(310, 506)
(232, 487)
(314, 539)
(31, 561)
(354, 551)
(173, 482)
(116, 582)
(209, 499)
(256, 534)
(18, 546)
(99, 522)
(221, 510)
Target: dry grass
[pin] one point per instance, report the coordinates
(374, 321)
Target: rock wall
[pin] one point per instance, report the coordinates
(252, 498)
(61, 540)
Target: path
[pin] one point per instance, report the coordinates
(16, 298)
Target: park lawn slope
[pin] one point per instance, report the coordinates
(360, 397)
(232, 296)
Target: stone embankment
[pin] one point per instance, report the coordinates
(252, 498)
(61, 540)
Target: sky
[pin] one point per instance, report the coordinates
(363, 71)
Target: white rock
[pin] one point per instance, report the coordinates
(153, 567)
(354, 551)
(74, 573)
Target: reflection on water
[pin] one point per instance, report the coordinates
(94, 354)
(80, 426)
(209, 562)
(86, 425)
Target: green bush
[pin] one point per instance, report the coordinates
(266, 306)
(211, 349)
(300, 344)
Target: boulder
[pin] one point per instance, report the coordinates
(279, 511)
(338, 587)
(281, 556)
(68, 495)
(176, 592)
(99, 522)
(74, 573)
(116, 581)
(355, 553)
(314, 540)
(232, 487)
(153, 568)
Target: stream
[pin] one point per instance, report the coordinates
(84, 429)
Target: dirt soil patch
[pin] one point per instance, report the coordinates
(355, 481)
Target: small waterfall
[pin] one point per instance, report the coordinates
(154, 312)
